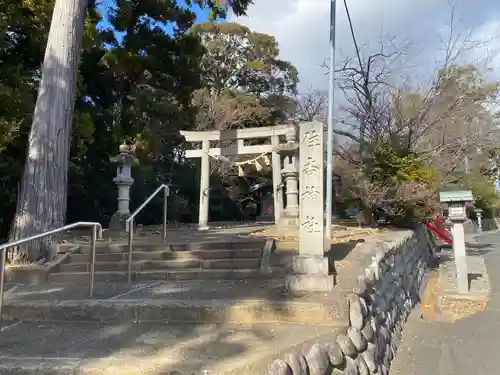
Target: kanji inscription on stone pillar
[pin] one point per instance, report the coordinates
(310, 267)
(311, 205)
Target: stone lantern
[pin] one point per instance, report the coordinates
(479, 215)
(457, 202)
(288, 222)
(123, 180)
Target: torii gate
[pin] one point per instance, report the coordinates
(238, 147)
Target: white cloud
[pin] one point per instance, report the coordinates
(489, 32)
(301, 28)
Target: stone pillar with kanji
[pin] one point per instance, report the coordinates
(310, 266)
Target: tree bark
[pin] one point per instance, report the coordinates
(43, 194)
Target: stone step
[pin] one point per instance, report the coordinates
(136, 265)
(169, 255)
(253, 263)
(214, 245)
(168, 311)
(250, 243)
(173, 275)
(346, 222)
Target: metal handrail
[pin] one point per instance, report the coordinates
(95, 235)
(129, 223)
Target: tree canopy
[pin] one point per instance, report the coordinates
(244, 82)
(140, 81)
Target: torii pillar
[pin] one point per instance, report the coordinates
(204, 187)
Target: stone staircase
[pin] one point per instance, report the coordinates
(346, 222)
(219, 260)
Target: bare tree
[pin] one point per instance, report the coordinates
(311, 105)
(439, 123)
(42, 198)
(226, 110)
(446, 119)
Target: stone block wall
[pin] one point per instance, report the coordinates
(379, 305)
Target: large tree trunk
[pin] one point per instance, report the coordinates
(42, 198)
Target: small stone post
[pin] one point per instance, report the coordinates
(277, 188)
(123, 180)
(311, 266)
(460, 257)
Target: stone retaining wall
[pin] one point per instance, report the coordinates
(378, 309)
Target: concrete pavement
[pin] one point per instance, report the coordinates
(125, 330)
(148, 348)
(467, 346)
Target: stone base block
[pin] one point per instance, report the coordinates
(34, 275)
(309, 283)
(117, 222)
(310, 264)
(310, 274)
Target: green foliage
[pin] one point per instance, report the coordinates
(138, 89)
(388, 164)
(485, 195)
(23, 31)
(237, 58)
(135, 90)
(481, 180)
(219, 8)
(399, 186)
(242, 76)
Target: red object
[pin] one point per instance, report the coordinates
(437, 225)
(438, 233)
(440, 224)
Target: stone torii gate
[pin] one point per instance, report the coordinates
(304, 211)
(210, 141)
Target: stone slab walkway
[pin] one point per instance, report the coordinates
(146, 348)
(73, 344)
(176, 234)
(154, 348)
(250, 301)
(466, 346)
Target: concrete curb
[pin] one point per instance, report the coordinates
(265, 264)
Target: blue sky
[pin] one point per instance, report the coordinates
(201, 14)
